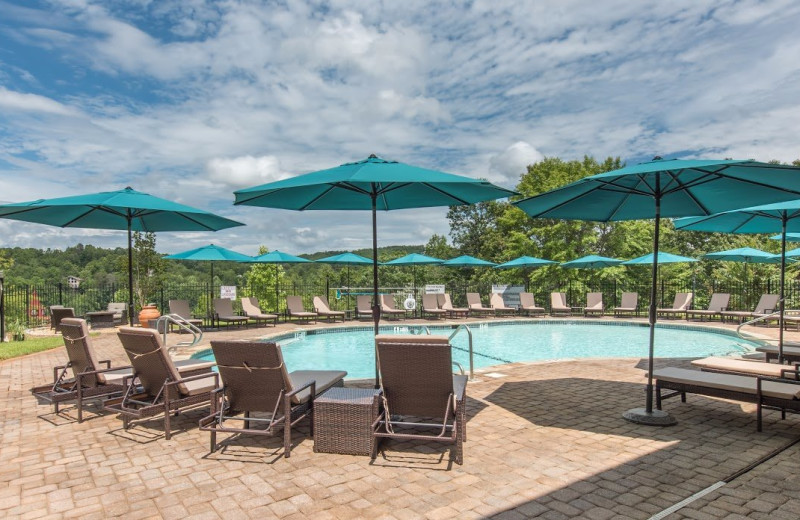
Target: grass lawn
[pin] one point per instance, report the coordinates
(13, 349)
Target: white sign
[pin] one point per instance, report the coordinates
(510, 293)
(434, 289)
(227, 291)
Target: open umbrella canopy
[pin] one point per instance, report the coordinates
(414, 259)
(210, 253)
(345, 259)
(592, 262)
(790, 237)
(371, 184)
(122, 209)
(524, 261)
(663, 258)
(467, 261)
(665, 188)
(278, 257)
(747, 255)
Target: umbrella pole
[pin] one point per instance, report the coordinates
(781, 303)
(376, 308)
(277, 293)
(130, 272)
(647, 415)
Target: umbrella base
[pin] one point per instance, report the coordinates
(654, 418)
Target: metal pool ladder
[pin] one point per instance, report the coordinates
(164, 323)
(469, 335)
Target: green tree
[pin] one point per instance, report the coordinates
(260, 281)
(148, 268)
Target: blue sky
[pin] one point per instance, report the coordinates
(193, 99)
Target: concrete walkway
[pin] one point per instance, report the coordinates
(544, 440)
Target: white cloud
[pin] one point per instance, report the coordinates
(23, 102)
(244, 171)
(512, 162)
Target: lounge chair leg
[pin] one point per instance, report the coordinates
(758, 417)
(287, 427)
(658, 397)
(166, 416)
(246, 422)
(213, 441)
(683, 397)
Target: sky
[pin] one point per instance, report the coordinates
(191, 100)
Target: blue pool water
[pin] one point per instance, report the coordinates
(494, 344)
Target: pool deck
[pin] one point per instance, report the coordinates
(545, 440)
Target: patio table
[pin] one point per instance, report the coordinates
(343, 419)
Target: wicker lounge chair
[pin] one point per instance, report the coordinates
(253, 311)
(223, 312)
(594, 304)
(628, 305)
(417, 381)
(749, 367)
(558, 304)
(767, 304)
(58, 313)
(791, 353)
(120, 310)
(180, 308)
(679, 306)
(430, 306)
(255, 381)
(717, 304)
(476, 306)
(323, 308)
(447, 305)
(388, 308)
(528, 305)
(156, 386)
(90, 380)
(499, 306)
(295, 309)
(765, 392)
(364, 306)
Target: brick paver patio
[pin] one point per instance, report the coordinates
(544, 440)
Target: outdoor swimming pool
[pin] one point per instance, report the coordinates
(352, 348)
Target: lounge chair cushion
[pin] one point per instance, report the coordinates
(323, 379)
(740, 365)
(197, 386)
(729, 382)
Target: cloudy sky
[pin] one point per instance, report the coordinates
(193, 99)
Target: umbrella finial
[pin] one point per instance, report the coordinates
(372, 156)
(657, 158)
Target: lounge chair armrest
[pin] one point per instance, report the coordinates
(460, 388)
(95, 372)
(308, 384)
(795, 373)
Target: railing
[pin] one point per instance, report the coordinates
(165, 323)
(469, 335)
(763, 317)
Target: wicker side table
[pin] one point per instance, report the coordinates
(343, 420)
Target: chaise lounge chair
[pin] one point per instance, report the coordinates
(594, 304)
(223, 312)
(679, 306)
(476, 306)
(295, 309)
(717, 304)
(768, 303)
(363, 306)
(558, 304)
(417, 381)
(791, 353)
(389, 310)
(58, 313)
(180, 309)
(499, 306)
(253, 311)
(255, 381)
(156, 386)
(528, 305)
(323, 308)
(430, 306)
(446, 304)
(751, 367)
(628, 305)
(120, 310)
(765, 392)
(89, 379)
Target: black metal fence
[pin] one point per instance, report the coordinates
(29, 304)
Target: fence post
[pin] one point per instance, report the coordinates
(163, 309)
(60, 293)
(2, 307)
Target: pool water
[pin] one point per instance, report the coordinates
(494, 344)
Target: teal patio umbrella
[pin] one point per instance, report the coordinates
(346, 259)
(525, 262)
(371, 185)
(122, 209)
(591, 262)
(467, 261)
(663, 258)
(210, 254)
(665, 188)
(745, 255)
(414, 259)
(278, 257)
(790, 237)
(767, 218)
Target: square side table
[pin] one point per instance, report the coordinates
(343, 420)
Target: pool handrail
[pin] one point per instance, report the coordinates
(469, 334)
